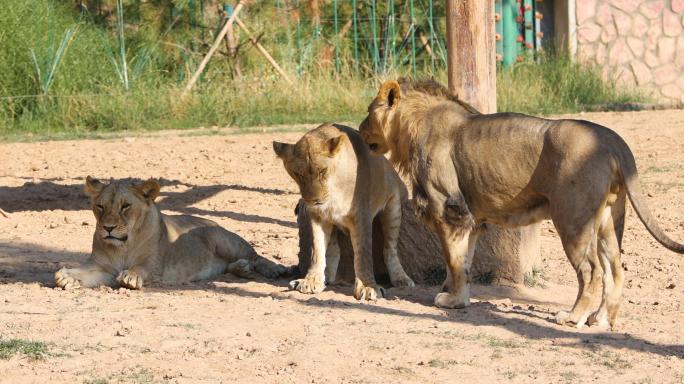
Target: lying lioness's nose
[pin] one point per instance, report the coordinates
(108, 229)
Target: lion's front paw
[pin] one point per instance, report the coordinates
(599, 319)
(403, 281)
(129, 279)
(64, 281)
(309, 284)
(370, 292)
(448, 300)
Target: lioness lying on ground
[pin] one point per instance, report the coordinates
(344, 185)
(510, 169)
(135, 243)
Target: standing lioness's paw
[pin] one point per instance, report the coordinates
(448, 300)
(369, 292)
(129, 279)
(309, 284)
(403, 281)
(64, 281)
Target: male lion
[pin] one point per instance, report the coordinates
(509, 169)
(343, 185)
(134, 243)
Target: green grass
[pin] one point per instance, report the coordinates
(34, 350)
(85, 95)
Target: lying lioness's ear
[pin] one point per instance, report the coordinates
(148, 189)
(283, 150)
(93, 186)
(390, 93)
(335, 144)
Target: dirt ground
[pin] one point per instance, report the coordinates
(233, 330)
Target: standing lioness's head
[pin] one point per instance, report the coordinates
(119, 207)
(375, 128)
(311, 161)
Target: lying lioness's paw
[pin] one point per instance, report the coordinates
(369, 292)
(309, 284)
(64, 281)
(129, 279)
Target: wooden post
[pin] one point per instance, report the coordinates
(263, 50)
(212, 50)
(471, 52)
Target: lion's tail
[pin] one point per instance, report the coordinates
(636, 197)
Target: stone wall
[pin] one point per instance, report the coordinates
(639, 43)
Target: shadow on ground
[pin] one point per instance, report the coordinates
(49, 194)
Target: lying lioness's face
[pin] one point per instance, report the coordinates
(376, 125)
(118, 207)
(311, 161)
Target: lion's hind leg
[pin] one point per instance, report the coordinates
(609, 256)
(580, 248)
(88, 276)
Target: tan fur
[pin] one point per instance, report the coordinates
(508, 169)
(134, 243)
(344, 185)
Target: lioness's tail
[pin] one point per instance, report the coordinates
(636, 196)
(249, 263)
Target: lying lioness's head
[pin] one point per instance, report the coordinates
(376, 126)
(118, 208)
(311, 161)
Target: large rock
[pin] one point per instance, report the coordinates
(503, 256)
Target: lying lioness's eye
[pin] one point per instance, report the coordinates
(125, 206)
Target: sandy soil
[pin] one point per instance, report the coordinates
(231, 330)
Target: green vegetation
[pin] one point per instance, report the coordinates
(32, 349)
(121, 66)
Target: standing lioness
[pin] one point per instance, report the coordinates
(134, 243)
(509, 169)
(344, 185)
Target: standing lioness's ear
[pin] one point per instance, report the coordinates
(335, 144)
(93, 186)
(390, 93)
(283, 150)
(148, 189)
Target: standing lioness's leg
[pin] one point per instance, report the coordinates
(314, 281)
(365, 287)
(391, 223)
(458, 246)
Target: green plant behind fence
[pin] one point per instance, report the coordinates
(125, 71)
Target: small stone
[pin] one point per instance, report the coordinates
(639, 26)
(671, 24)
(671, 286)
(53, 226)
(636, 45)
(623, 22)
(665, 74)
(248, 334)
(652, 9)
(677, 6)
(641, 72)
(651, 59)
(666, 49)
(585, 10)
(609, 33)
(672, 91)
(589, 32)
(85, 223)
(628, 6)
(655, 303)
(603, 15)
(620, 53)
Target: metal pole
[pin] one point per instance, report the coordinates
(337, 39)
(432, 34)
(413, 37)
(356, 36)
(510, 32)
(374, 37)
